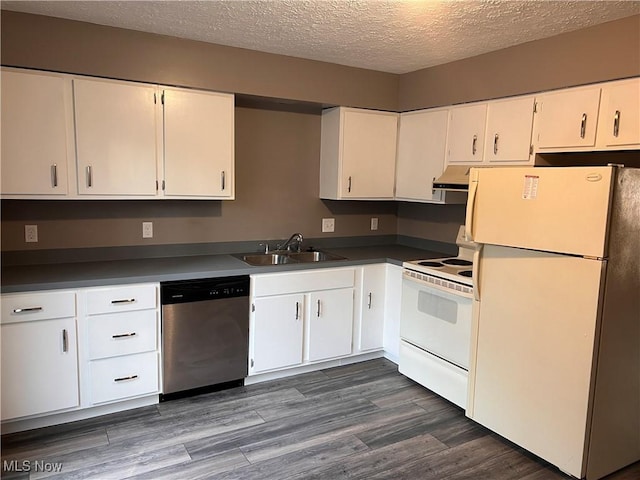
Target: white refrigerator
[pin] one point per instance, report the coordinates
(555, 354)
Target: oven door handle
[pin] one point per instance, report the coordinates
(475, 272)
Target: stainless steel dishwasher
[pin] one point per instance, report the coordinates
(205, 334)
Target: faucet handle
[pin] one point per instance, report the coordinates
(264, 247)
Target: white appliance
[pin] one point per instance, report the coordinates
(435, 322)
(555, 364)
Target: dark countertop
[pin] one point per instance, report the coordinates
(90, 274)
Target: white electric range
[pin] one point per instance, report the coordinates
(435, 321)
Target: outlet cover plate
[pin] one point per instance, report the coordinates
(328, 225)
(147, 229)
(374, 223)
(31, 233)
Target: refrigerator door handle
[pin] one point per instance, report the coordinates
(475, 271)
(471, 203)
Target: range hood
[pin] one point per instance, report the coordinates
(455, 178)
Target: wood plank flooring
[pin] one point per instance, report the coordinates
(361, 421)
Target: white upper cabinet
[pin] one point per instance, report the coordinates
(37, 134)
(465, 142)
(117, 134)
(422, 141)
(567, 118)
(619, 119)
(358, 154)
(508, 134)
(198, 144)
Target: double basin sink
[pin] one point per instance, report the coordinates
(281, 258)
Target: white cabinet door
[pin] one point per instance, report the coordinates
(369, 154)
(619, 118)
(39, 367)
(373, 307)
(117, 137)
(198, 143)
(568, 118)
(37, 133)
(509, 126)
(330, 326)
(421, 154)
(358, 154)
(465, 140)
(276, 332)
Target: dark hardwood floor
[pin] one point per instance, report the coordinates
(358, 421)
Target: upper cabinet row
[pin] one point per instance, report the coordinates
(367, 154)
(72, 137)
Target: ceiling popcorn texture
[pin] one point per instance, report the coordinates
(390, 36)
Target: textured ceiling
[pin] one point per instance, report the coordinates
(390, 36)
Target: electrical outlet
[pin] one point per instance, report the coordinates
(374, 223)
(31, 233)
(147, 229)
(328, 225)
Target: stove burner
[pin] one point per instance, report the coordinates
(457, 261)
(430, 264)
(465, 273)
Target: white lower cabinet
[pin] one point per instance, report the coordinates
(120, 342)
(330, 324)
(39, 353)
(276, 331)
(64, 351)
(300, 317)
(370, 318)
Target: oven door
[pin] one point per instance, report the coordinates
(436, 320)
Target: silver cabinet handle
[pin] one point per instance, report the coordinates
(474, 144)
(89, 177)
(124, 300)
(122, 379)
(369, 303)
(54, 175)
(65, 341)
(297, 311)
(349, 186)
(616, 123)
(433, 190)
(583, 125)
(27, 310)
(123, 335)
(318, 313)
(222, 180)
(495, 144)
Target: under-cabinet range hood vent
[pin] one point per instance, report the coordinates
(454, 178)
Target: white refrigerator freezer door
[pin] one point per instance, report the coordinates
(553, 209)
(532, 365)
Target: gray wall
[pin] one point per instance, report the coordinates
(277, 149)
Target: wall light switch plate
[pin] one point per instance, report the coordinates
(328, 225)
(374, 223)
(31, 233)
(147, 229)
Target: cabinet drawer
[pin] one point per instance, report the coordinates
(121, 299)
(124, 333)
(22, 307)
(122, 377)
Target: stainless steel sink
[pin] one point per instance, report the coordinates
(267, 259)
(280, 258)
(314, 257)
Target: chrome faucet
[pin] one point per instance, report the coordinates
(296, 239)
